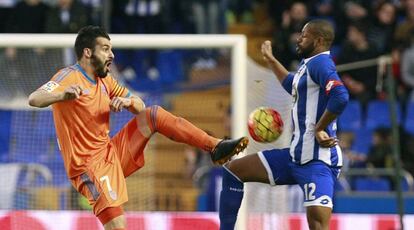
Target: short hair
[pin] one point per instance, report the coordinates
(324, 29)
(87, 38)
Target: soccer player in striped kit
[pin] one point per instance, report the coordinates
(82, 97)
(314, 158)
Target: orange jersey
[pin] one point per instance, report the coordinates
(82, 125)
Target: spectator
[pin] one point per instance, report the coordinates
(380, 153)
(402, 33)
(67, 17)
(207, 20)
(407, 68)
(6, 7)
(27, 16)
(285, 38)
(240, 11)
(361, 82)
(144, 17)
(350, 11)
(381, 32)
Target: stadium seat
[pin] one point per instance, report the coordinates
(409, 118)
(169, 65)
(378, 115)
(362, 141)
(372, 184)
(351, 117)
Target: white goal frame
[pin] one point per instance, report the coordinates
(237, 44)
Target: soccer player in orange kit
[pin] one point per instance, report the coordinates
(82, 97)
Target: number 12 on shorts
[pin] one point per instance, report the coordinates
(309, 191)
(112, 194)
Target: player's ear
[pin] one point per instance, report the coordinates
(319, 41)
(87, 52)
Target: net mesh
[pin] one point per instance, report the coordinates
(30, 155)
(265, 90)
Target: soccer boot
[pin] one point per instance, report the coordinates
(225, 149)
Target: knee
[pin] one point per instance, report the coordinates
(153, 108)
(235, 169)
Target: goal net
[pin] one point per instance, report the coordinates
(33, 176)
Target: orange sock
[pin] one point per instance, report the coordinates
(179, 129)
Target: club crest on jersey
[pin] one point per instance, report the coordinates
(50, 86)
(113, 195)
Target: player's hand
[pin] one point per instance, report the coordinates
(72, 92)
(267, 51)
(325, 140)
(118, 103)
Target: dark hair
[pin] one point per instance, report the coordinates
(87, 38)
(324, 29)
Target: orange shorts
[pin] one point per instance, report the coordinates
(103, 183)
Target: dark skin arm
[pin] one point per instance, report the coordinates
(321, 136)
(278, 69)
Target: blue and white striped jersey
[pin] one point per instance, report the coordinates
(310, 87)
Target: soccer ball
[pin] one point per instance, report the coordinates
(265, 124)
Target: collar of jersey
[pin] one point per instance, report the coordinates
(84, 73)
(309, 58)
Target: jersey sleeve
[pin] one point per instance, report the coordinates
(117, 90)
(323, 72)
(287, 83)
(60, 81)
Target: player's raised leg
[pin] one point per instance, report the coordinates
(235, 173)
(181, 130)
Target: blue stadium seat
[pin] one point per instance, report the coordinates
(409, 118)
(378, 115)
(351, 117)
(170, 66)
(372, 184)
(362, 141)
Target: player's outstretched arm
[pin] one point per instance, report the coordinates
(134, 104)
(42, 98)
(278, 69)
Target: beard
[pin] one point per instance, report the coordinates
(99, 67)
(304, 52)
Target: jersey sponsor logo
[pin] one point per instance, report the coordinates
(50, 86)
(331, 84)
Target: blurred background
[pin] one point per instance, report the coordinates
(374, 51)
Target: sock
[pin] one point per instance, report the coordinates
(179, 129)
(230, 200)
